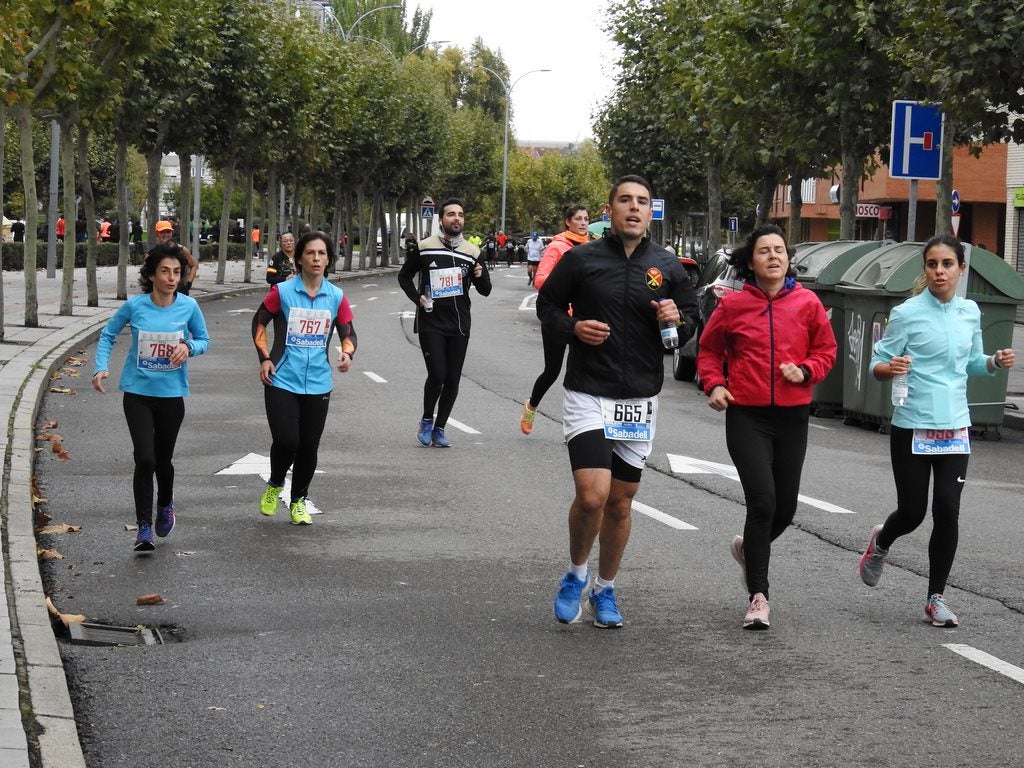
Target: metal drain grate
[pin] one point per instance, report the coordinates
(85, 633)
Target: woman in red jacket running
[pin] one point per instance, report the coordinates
(576, 221)
(775, 341)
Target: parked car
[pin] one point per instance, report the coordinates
(716, 280)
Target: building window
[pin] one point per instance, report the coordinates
(808, 190)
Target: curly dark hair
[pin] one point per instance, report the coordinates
(159, 252)
(743, 255)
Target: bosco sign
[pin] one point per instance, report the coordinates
(867, 211)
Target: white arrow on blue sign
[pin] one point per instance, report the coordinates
(956, 201)
(916, 141)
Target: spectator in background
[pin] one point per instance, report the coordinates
(18, 230)
(60, 229)
(165, 234)
(282, 263)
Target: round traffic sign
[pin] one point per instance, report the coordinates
(956, 201)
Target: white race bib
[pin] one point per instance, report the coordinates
(155, 350)
(628, 419)
(934, 442)
(308, 328)
(445, 283)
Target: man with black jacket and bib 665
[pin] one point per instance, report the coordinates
(623, 290)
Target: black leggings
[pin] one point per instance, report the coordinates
(296, 424)
(153, 423)
(444, 356)
(554, 353)
(912, 473)
(767, 445)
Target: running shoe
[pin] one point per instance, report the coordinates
(873, 559)
(438, 439)
(144, 538)
(269, 500)
(165, 519)
(299, 514)
(567, 602)
(602, 606)
(740, 557)
(526, 420)
(757, 613)
(938, 614)
(425, 429)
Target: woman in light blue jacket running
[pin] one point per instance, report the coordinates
(934, 339)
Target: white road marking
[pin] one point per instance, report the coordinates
(374, 377)
(372, 298)
(240, 311)
(529, 303)
(256, 464)
(369, 285)
(820, 426)
(987, 660)
(661, 517)
(685, 465)
(459, 425)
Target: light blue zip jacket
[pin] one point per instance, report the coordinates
(944, 344)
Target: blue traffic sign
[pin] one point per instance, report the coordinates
(657, 209)
(956, 201)
(734, 224)
(426, 211)
(916, 141)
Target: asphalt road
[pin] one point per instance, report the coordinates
(411, 625)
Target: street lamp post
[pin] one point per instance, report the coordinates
(504, 163)
(424, 45)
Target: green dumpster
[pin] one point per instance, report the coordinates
(819, 267)
(882, 279)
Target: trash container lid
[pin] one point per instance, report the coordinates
(825, 263)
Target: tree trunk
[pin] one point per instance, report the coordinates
(152, 194)
(349, 228)
(185, 200)
(3, 143)
(944, 186)
(271, 211)
(336, 222)
(364, 234)
(796, 206)
(769, 180)
(853, 166)
(714, 174)
(249, 220)
(67, 163)
(225, 216)
(121, 182)
(23, 117)
(89, 208)
(391, 255)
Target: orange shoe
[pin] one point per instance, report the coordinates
(526, 421)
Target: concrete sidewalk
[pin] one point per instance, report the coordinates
(36, 714)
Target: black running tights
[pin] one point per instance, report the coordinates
(444, 356)
(912, 473)
(153, 423)
(296, 424)
(554, 353)
(767, 445)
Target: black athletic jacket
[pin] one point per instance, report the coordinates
(601, 283)
(450, 316)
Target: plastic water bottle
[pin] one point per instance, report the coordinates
(669, 334)
(430, 299)
(900, 389)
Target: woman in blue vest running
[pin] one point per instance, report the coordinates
(167, 329)
(296, 370)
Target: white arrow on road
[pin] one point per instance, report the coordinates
(256, 464)
(685, 465)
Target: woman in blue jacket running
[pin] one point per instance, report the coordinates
(167, 329)
(934, 339)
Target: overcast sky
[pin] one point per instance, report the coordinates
(565, 36)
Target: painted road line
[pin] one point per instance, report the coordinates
(369, 285)
(529, 303)
(374, 377)
(256, 464)
(820, 426)
(463, 427)
(987, 660)
(685, 465)
(661, 517)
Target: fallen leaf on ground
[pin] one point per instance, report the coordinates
(71, 372)
(65, 618)
(62, 391)
(41, 517)
(39, 500)
(56, 375)
(153, 599)
(76, 361)
(50, 437)
(49, 554)
(60, 528)
(48, 425)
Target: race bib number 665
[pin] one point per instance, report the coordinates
(628, 419)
